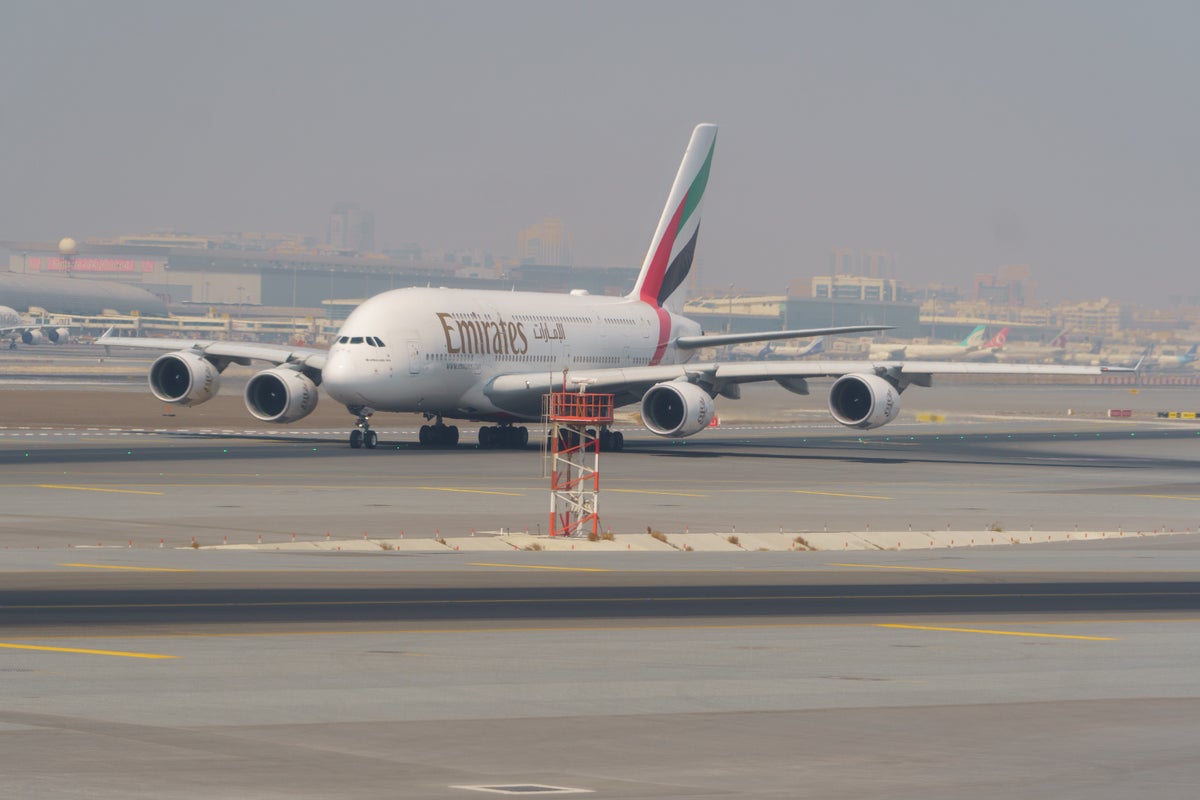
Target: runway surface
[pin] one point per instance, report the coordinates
(889, 677)
(1066, 670)
(142, 487)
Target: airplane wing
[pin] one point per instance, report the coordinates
(721, 339)
(522, 392)
(229, 352)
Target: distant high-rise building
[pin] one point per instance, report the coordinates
(866, 263)
(546, 242)
(855, 287)
(351, 229)
(1011, 286)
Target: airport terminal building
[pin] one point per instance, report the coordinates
(193, 270)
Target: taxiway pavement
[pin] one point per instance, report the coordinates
(1064, 670)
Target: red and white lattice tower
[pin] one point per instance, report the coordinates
(575, 419)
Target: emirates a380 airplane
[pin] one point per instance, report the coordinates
(491, 356)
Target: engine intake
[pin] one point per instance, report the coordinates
(863, 401)
(281, 395)
(676, 409)
(184, 378)
(33, 337)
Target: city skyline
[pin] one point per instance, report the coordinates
(960, 138)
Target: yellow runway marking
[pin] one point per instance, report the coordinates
(82, 651)
(538, 566)
(908, 569)
(1169, 497)
(94, 489)
(650, 491)
(467, 491)
(839, 494)
(131, 569)
(999, 633)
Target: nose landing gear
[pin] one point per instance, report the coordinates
(362, 435)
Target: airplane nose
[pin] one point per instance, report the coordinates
(339, 379)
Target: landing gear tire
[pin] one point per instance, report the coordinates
(439, 435)
(611, 441)
(362, 435)
(496, 437)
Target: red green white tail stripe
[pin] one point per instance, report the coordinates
(669, 259)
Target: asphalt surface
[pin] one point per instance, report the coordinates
(131, 669)
(43, 601)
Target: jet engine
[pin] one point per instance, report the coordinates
(281, 395)
(676, 409)
(184, 378)
(863, 401)
(58, 335)
(32, 337)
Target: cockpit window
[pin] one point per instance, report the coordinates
(356, 340)
(371, 341)
(343, 339)
(379, 341)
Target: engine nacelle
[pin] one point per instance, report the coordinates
(863, 401)
(32, 337)
(184, 378)
(58, 335)
(676, 409)
(281, 395)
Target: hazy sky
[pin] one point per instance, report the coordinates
(959, 135)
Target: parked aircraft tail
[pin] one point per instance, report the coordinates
(997, 341)
(975, 337)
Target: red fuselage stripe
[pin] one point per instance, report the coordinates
(662, 258)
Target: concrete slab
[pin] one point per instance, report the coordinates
(705, 542)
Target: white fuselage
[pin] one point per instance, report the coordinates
(946, 352)
(434, 351)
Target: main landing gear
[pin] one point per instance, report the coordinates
(610, 441)
(439, 434)
(362, 435)
(508, 437)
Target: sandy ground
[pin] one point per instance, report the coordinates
(101, 407)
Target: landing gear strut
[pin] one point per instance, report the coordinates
(362, 435)
(510, 437)
(439, 434)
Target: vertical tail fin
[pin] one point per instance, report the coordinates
(997, 341)
(974, 338)
(669, 259)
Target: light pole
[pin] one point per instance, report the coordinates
(729, 324)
